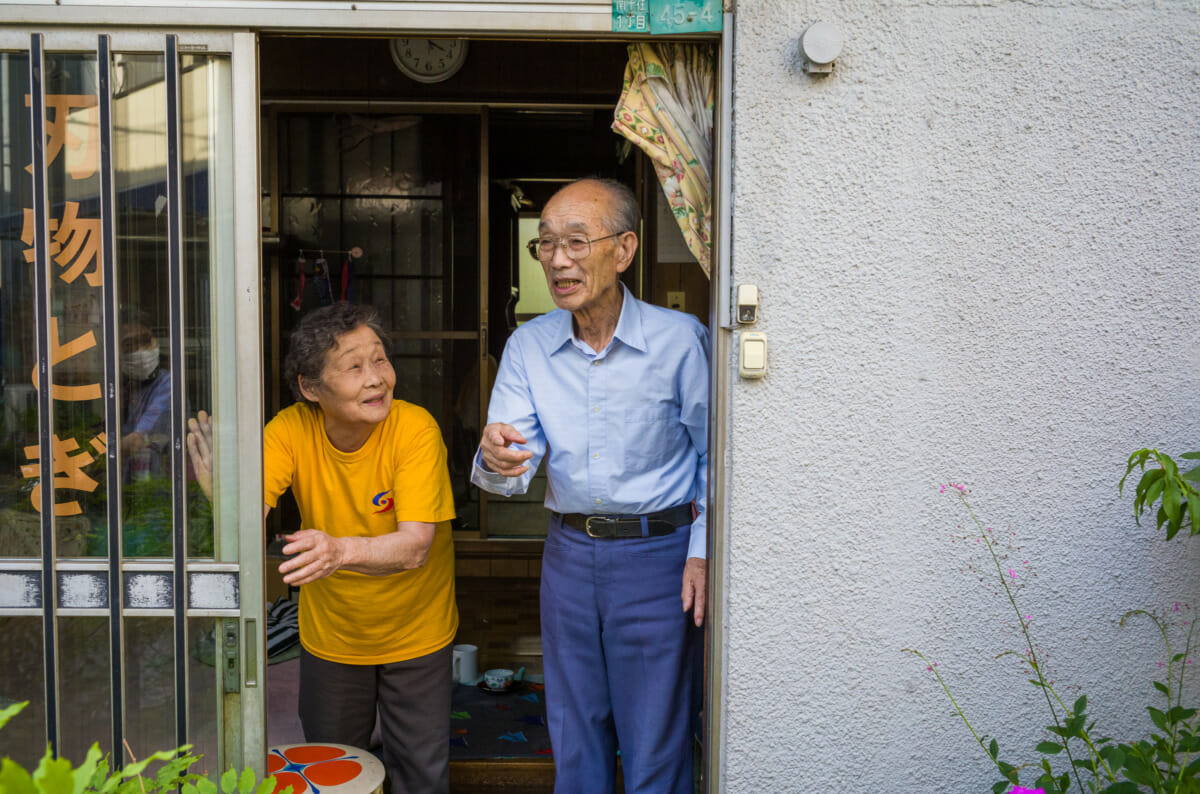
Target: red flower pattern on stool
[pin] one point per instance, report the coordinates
(310, 765)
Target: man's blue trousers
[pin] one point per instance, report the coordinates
(621, 662)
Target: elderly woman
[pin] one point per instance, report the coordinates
(374, 561)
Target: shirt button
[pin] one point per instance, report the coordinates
(597, 501)
(596, 409)
(595, 363)
(595, 456)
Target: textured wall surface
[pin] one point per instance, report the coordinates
(977, 245)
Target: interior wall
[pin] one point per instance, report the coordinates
(494, 71)
(525, 145)
(975, 244)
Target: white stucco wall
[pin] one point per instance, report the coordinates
(977, 245)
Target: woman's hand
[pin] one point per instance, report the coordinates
(199, 444)
(316, 556)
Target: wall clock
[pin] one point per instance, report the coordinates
(429, 60)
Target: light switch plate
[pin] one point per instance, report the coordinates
(752, 354)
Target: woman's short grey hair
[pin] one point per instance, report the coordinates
(316, 334)
(625, 212)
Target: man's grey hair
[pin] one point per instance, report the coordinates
(625, 212)
(316, 334)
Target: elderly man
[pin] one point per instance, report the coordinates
(612, 393)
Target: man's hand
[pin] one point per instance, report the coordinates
(199, 444)
(694, 577)
(317, 556)
(496, 451)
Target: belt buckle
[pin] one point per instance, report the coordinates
(587, 525)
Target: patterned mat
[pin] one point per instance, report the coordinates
(508, 725)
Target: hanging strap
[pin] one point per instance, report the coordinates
(346, 278)
(296, 301)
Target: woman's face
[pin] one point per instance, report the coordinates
(356, 383)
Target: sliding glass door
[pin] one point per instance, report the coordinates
(130, 600)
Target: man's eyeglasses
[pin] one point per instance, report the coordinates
(576, 245)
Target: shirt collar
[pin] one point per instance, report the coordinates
(629, 324)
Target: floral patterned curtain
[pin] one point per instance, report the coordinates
(666, 109)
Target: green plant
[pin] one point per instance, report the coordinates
(1180, 501)
(94, 776)
(1164, 763)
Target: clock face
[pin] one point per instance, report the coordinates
(429, 60)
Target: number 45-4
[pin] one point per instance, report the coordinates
(681, 14)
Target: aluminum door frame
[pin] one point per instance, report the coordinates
(230, 589)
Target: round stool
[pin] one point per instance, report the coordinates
(324, 769)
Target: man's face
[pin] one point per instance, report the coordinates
(587, 284)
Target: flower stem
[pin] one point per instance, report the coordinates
(931, 667)
(1037, 668)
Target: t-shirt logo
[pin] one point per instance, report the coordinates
(382, 501)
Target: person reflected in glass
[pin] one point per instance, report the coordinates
(145, 402)
(374, 561)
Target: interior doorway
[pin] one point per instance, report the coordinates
(416, 196)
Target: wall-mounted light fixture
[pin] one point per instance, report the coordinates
(820, 45)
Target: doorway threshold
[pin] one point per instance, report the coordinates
(509, 776)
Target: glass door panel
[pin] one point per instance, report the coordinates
(117, 196)
(23, 651)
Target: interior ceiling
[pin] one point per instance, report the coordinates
(320, 68)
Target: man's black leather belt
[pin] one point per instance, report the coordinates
(615, 525)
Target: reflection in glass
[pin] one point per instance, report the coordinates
(23, 680)
(143, 329)
(204, 691)
(140, 173)
(205, 96)
(77, 359)
(20, 522)
(149, 684)
(84, 695)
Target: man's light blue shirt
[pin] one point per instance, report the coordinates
(624, 430)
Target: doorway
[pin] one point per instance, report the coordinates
(416, 197)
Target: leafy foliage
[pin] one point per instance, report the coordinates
(1179, 499)
(94, 775)
(1074, 756)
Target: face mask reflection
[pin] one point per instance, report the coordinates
(140, 364)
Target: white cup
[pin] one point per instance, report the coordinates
(464, 668)
(498, 679)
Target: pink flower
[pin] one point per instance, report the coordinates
(1019, 790)
(1012, 573)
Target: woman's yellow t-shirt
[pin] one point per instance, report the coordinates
(399, 474)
